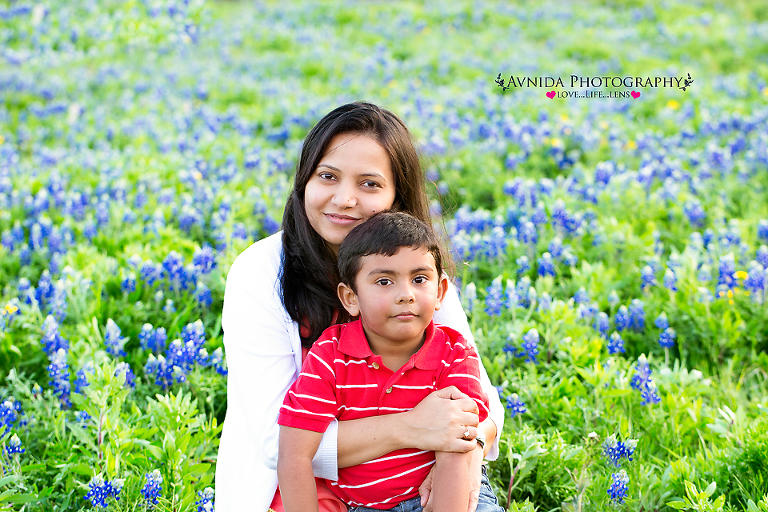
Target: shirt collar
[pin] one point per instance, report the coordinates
(352, 342)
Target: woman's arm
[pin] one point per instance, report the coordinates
(437, 423)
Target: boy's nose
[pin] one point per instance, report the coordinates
(406, 296)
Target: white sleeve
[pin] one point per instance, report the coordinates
(262, 361)
(452, 315)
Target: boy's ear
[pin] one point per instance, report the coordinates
(442, 288)
(348, 299)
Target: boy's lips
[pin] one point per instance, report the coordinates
(405, 315)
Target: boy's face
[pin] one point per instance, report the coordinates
(396, 296)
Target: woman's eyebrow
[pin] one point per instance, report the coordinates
(365, 174)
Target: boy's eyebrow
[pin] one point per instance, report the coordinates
(392, 272)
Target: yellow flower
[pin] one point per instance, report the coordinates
(197, 175)
(557, 143)
(565, 118)
(673, 104)
(11, 309)
(765, 91)
(438, 108)
(604, 125)
(631, 144)
(721, 294)
(730, 295)
(2, 139)
(741, 274)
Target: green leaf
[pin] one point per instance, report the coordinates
(82, 469)
(679, 505)
(8, 479)
(198, 469)
(21, 498)
(710, 489)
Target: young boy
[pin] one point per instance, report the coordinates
(385, 362)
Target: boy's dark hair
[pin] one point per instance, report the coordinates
(385, 233)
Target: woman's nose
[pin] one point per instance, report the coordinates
(344, 198)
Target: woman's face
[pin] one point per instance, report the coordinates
(353, 181)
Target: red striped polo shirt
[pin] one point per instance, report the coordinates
(341, 378)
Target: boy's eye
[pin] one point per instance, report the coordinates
(384, 281)
(420, 279)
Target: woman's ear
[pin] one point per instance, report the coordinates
(348, 299)
(442, 288)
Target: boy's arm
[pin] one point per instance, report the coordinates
(451, 480)
(294, 469)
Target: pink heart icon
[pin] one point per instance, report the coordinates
(635, 94)
(551, 94)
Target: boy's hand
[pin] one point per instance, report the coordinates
(475, 473)
(294, 469)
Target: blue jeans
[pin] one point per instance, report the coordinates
(486, 503)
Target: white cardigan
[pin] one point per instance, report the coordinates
(263, 350)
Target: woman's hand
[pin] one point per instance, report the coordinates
(439, 422)
(475, 472)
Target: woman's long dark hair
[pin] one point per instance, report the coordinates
(308, 275)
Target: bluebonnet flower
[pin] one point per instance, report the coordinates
(523, 292)
(113, 340)
(58, 371)
(152, 489)
(755, 281)
(203, 295)
(619, 486)
(546, 266)
(205, 503)
(169, 307)
(469, 297)
(217, 361)
(617, 450)
(621, 320)
(52, 339)
(762, 230)
(704, 274)
(661, 321)
(8, 414)
(150, 272)
(515, 405)
(531, 345)
(667, 338)
(523, 264)
(556, 247)
(82, 416)
(81, 379)
(726, 270)
(164, 374)
(616, 344)
(602, 323)
(152, 339)
(527, 234)
(204, 259)
(100, 490)
(128, 284)
(670, 280)
(581, 296)
(643, 382)
(57, 303)
(613, 298)
(545, 302)
(14, 446)
(695, 212)
(125, 369)
(494, 298)
(762, 256)
(647, 274)
(636, 315)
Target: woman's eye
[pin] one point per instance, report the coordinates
(325, 175)
(370, 184)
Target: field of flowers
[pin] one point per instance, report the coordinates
(611, 252)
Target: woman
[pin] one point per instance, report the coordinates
(281, 295)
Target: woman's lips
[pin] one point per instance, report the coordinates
(343, 220)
